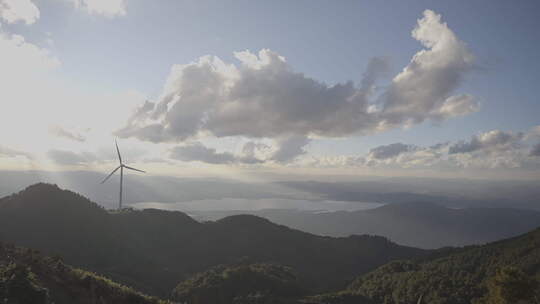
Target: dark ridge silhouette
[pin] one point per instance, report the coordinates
(153, 250)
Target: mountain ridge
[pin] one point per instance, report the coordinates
(454, 276)
(419, 224)
(142, 248)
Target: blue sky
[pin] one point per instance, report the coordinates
(104, 55)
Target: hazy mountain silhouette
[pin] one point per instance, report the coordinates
(454, 193)
(142, 188)
(153, 250)
(418, 224)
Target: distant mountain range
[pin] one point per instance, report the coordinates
(240, 259)
(418, 224)
(153, 250)
(174, 192)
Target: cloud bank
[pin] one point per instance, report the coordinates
(535, 151)
(62, 132)
(69, 158)
(488, 141)
(491, 149)
(9, 152)
(389, 151)
(264, 98)
(12, 11)
(198, 152)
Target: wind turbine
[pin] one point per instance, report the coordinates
(121, 167)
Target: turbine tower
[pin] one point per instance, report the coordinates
(121, 167)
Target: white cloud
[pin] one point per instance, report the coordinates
(423, 89)
(13, 11)
(282, 150)
(534, 133)
(62, 132)
(198, 152)
(26, 78)
(9, 152)
(65, 157)
(289, 148)
(488, 141)
(108, 8)
(389, 151)
(20, 58)
(457, 105)
(264, 97)
(535, 151)
(492, 149)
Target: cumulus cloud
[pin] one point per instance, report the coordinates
(423, 89)
(61, 132)
(108, 8)
(458, 105)
(255, 152)
(9, 152)
(290, 148)
(492, 149)
(389, 151)
(65, 157)
(13, 11)
(534, 133)
(26, 75)
(402, 156)
(535, 151)
(21, 60)
(263, 97)
(489, 141)
(283, 150)
(198, 152)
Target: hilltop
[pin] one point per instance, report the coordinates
(153, 250)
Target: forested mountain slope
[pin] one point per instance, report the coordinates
(507, 271)
(27, 277)
(153, 250)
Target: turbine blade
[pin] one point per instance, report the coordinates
(106, 178)
(128, 167)
(118, 150)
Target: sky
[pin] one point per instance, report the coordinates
(244, 88)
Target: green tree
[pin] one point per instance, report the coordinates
(20, 286)
(511, 286)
